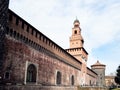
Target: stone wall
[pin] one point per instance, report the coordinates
(91, 77)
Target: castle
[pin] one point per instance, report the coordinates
(28, 57)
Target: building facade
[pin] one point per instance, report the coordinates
(31, 58)
(109, 81)
(38, 59)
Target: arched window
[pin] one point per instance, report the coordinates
(72, 80)
(31, 73)
(58, 78)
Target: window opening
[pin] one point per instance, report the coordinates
(58, 81)
(72, 80)
(31, 73)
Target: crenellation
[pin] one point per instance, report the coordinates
(36, 33)
(17, 21)
(22, 25)
(43, 39)
(91, 72)
(39, 36)
(27, 29)
(32, 31)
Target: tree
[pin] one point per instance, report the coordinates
(117, 77)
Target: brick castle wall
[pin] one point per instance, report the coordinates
(18, 54)
(24, 45)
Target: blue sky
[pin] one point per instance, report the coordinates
(99, 21)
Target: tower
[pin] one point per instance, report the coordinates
(77, 50)
(100, 70)
(76, 39)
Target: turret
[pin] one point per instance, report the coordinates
(100, 70)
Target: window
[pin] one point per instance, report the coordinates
(82, 41)
(31, 73)
(58, 78)
(39, 36)
(7, 75)
(72, 80)
(14, 33)
(75, 32)
(11, 32)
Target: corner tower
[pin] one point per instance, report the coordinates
(77, 50)
(100, 70)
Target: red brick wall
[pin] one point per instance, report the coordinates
(18, 53)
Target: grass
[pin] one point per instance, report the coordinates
(116, 89)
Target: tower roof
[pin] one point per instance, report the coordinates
(76, 21)
(98, 64)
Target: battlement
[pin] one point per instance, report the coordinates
(78, 52)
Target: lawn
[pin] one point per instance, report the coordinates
(116, 89)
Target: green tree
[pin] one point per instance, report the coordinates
(117, 77)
